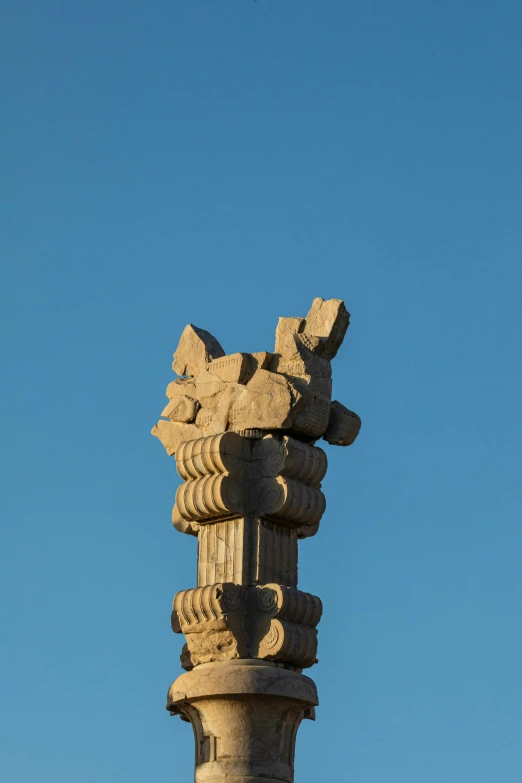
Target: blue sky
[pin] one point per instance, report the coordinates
(223, 163)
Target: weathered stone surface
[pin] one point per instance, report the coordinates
(181, 408)
(261, 359)
(184, 386)
(312, 384)
(172, 433)
(252, 677)
(214, 469)
(215, 413)
(213, 621)
(312, 419)
(242, 497)
(299, 360)
(234, 368)
(225, 621)
(286, 329)
(328, 319)
(249, 493)
(343, 426)
(207, 385)
(265, 403)
(196, 349)
(287, 390)
(228, 550)
(274, 456)
(211, 646)
(245, 716)
(294, 503)
(224, 453)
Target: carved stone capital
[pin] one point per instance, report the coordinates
(226, 621)
(213, 621)
(228, 476)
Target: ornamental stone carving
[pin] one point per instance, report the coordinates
(243, 428)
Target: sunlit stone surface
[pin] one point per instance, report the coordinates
(243, 428)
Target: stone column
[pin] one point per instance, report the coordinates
(242, 429)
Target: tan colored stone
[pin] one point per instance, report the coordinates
(213, 621)
(181, 386)
(313, 416)
(228, 551)
(301, 363)
(243, 497)
(343, 426)
(233, 368)
(274, 455)
(329, 319)
(293, 393)
(224, 453)
(211, 646)
(262, 359)
(196, 348)
(245, 716)
(232, 678)
(225, 621)
(312, 384)
(215, 412)
(207, 385)
(249, 493)
(286, 328)
(265, 403)
(172, 433)
(181, 408)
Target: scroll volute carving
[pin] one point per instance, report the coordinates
(226, 621)
(214, 470)
(228, 475)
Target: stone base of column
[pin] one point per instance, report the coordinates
(245, 715)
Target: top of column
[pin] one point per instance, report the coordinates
(287, 391)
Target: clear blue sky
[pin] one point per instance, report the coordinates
(223, 162)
